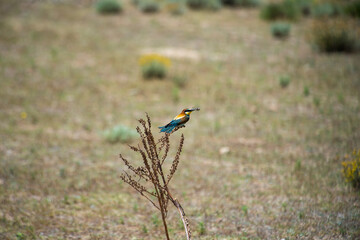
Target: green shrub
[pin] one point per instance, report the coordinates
(108, 6)
(353, 9)
(326, 9)
(213, 5)
(280, 29)
(119, 133)
(305, 6)
(291, 9)
(196, 4)
(288, 9)
(284, 81)
(351, 169)
(241, 3)
(154, 70)
(334, 36)
(154, 66)
(272, 11)
(149, 6)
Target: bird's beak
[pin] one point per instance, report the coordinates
(194, 109)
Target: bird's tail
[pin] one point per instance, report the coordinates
(167, 129)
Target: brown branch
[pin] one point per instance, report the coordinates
(152, 171)
(183, 218)
(176, 161)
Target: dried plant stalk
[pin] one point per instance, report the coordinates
(152, 172)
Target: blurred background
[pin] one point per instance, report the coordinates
(269, 156)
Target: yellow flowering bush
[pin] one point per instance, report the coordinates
(154, 65)
(351, 169)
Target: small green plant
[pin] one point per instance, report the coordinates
(241, 3)
(284, 81)
(297, 165)
(351, 169)
(66, 200)
(144, 229)
(353, 9)
(179, 81)
(108, 6)
(301, 215)
(326, 9)
(288, 9)
(201, 228)
(135, 207)
(119, 133)
(62, 173)
(245, 209)
(20, 236)
(280, 29)
(213, 5)
(335, 35)
(175, 94)
(306, 91)
(316, 101)
(341, 98)
(154, 66)
(155, 220)
(149, 6)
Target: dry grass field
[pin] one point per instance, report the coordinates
(68, 73)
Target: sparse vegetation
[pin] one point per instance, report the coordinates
(119, 133)
(108, 6)
(67, 74)
(351, 169)
(280, 29)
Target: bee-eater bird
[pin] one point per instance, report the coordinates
(179, 120)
